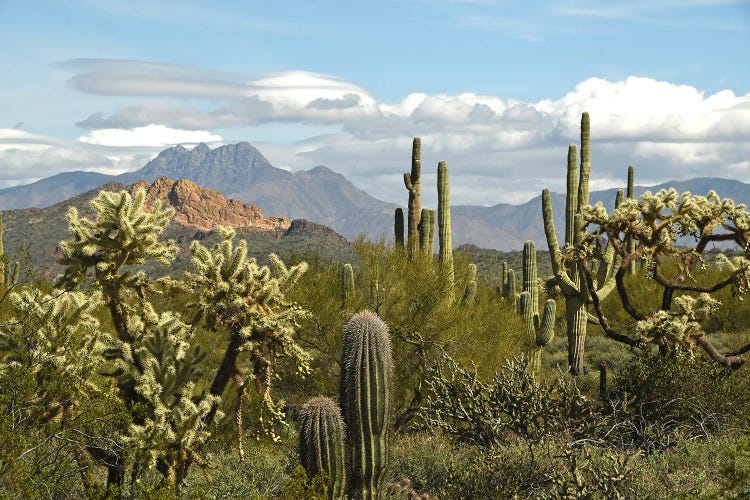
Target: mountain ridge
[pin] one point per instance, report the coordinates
(240, 171)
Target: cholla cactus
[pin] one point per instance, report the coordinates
(247, 301)
(54, 332)
(154, 361)
(655, 222)
(163, 366)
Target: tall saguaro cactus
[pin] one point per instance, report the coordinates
(444, 222)
(539, 332)
(322, 444)
(630, 242)
(412, 181)
(2, 260)
(366, 370)
(530, 282)
(398, 227)
(568, 273)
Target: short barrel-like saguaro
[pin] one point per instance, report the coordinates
(366, 373)
(322, 445)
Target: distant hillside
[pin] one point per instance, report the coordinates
(241, 172)
(198, 212)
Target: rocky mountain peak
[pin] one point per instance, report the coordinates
(204, 208)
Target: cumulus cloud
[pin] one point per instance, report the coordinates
(499, 149)
(150, 135)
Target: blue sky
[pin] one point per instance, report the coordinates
(494, 87)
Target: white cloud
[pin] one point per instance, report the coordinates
(150, 135)
(498, 148)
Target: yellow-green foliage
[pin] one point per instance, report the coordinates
(421, 322)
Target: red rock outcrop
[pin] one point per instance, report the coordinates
(205, 209)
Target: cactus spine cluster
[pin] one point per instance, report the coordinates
(398, 227)
(322, 445)
(366, 370)
(569, 276)
(347, 284)
(412, 181)
(539, 332)
(427, 231)
(470, 291)
(444, 222)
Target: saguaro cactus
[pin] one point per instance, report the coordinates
(629, 241)
(470, 291)
(366, 370)
(347, 284)
(398, 227)
(568, 273)
(427, 231)
(412, 181)
(322, 444)
(539, 333)
(2, 260)
(444, 222)
(530, 282)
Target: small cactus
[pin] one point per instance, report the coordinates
(347, 284)
(470, 291)
(398, 227)
(366, 370)
(322, 444)
(539, 333)
(427, 231)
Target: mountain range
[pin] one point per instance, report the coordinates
(241, 172)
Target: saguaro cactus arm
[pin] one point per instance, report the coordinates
(566, 284)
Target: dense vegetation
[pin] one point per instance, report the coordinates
(398, 374)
